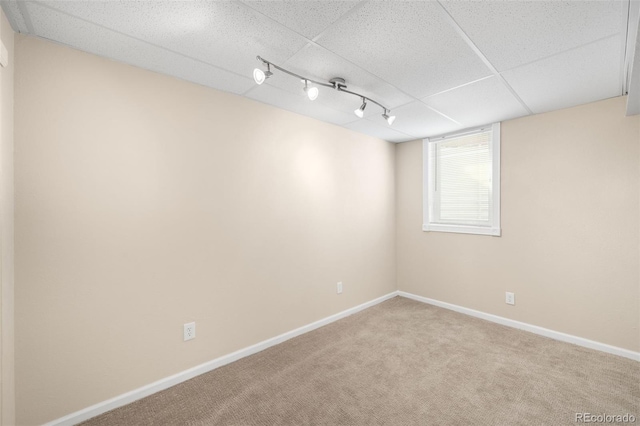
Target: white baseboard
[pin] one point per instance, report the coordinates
(528, 327)
(167, 382)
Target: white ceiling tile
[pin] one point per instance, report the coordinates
(308, 18)
(379, 131)
(418, 120)
(11, 10)
(323, 64)
(91, 38)
(227, 34)
(482, 102)
(578, 76)
(512, 33)
(298, 103)
(409, 44)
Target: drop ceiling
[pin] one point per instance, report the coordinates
(440, 66)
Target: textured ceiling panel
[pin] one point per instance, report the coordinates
(404, 54)
(308, 18)
(381, 131)
(513, 33)
(578, 76)
(14, 15)
(299, 104)
(408, 44)
(325, 65)
(223, 33)
(418, 120)
(478, 103)
(100, 41)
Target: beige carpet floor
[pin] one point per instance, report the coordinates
(400, 363)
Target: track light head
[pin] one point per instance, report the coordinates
(312, 92)
(390, 118)
(360, 111)
(260, 76)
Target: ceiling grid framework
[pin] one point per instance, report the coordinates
(441, 66)
(484, 59)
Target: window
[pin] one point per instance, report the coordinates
(462, 182)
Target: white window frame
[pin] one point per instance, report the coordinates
(494, 227)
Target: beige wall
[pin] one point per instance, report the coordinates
(569, 245)
(144, 202)
(7, 391)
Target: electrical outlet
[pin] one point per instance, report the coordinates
(339, 287)
(511, 298)
(189, 331)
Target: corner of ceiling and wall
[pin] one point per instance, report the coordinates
(7, 380)
(632, 60)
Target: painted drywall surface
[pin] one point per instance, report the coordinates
(7, 391)
(569, 244)
(144, 202)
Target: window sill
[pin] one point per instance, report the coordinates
(461, 229)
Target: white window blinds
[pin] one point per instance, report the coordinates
(462, 169)
(460, 182)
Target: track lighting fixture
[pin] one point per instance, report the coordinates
(360, 111)
(260, 76)
(312, 91)
(390, 118)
